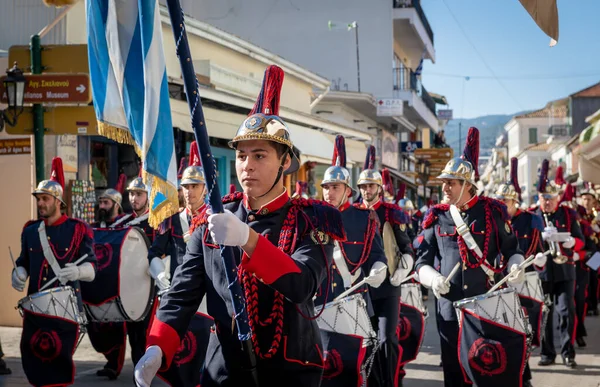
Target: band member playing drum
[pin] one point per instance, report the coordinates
(473, 240)
(138, 217)
(386, 298)
(562, 235)
(360, 256)
(527, 227)
(176, 230)
(50, 246)
(589, 201)
(284, 248)
(110, 204)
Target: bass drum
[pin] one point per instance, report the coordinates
(122, 289)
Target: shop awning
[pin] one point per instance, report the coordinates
(313, 144)
(589, 153)
(220, 123)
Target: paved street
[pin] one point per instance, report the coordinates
(425, 372)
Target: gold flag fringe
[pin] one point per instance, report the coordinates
(59, 3)
(170, 206)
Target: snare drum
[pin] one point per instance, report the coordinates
(531, 287)
(347, 316)
(122, 289)
(58, 302)
(531, 295)
(411, 294)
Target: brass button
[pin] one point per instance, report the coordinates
(48, 238)
(44, 278)
(306, 362)
(251, 218)
(333, 266)
(334, 284)
(67, 249)
(466, 286)
(264, 211)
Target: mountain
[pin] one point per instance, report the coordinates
(490, 127)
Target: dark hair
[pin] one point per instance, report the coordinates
(280, 149)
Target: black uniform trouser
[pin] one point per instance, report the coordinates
(1, 351)
(581, 290)
(137, 338)
(453, 375)
(109, 340)
(592, 300)
(527, 372)
(386, 370)
(563, 302)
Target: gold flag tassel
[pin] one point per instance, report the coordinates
(59, 3)
(171, 205)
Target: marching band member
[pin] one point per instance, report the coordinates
(361, 255)
(49, 248)
(588, 201)
(284, 248)
(527, 227)
(175, 233)
(109, 338)
(563, 236)
(475, 247)
(386, 298)
(110, 204)
(582, 271)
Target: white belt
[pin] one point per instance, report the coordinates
(185, 226)
(463, 231)
(340, 263)
(48, 254)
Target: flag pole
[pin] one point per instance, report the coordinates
(214, 195)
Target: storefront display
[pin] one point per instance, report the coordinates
(81, 199)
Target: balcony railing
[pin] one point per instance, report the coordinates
(416, 4)
(406, 79)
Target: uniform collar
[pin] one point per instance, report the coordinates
(63, 218)
(198, 211)
(519, 212)
(345, 206)
(374, 207)
(134, 214)
(470, 204)
(271, 206)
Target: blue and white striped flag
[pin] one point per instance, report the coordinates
(130, 91)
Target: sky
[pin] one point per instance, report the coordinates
(501, 41)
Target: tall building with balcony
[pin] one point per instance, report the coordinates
(390, 39)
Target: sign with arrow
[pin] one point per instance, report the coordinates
(63, 89)
(434, 154)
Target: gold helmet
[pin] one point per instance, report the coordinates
(116, 194)
(465, 167)
(588, 189)
(338, 173)
(511, 190)
(194, 173)
(137, 184)
(545, 187)
(55, 185)
(263, 123)
(370, 175)
(406, 204)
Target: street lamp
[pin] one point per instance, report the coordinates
(14, 85)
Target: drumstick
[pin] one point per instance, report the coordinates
(452, 273)
(357, 285)
(525, 264)
(12, 258)
(410, 277)
(53, 280)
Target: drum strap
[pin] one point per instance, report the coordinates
(463, 231)
(340, 263)
(185, 225)
(48, 253)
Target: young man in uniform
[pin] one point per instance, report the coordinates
(589, 201)
(492, 235)
(50, 246)
(283, 249)
(528, 229)
(562, 235)
(386, 298)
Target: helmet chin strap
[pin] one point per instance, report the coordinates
(462, 191)
(343, 201)
(279, 174)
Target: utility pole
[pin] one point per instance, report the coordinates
(38, 112)
(357, 55)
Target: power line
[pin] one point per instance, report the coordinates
(482, 58)
(531, 77)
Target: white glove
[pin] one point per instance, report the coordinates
(595, 228)
(157, 272)
(434, 280)
(19, 277)
(569, 243)
(377, 275)
(549, 233)
(540, 260)
(227, 230)
(148, 366)
(72, 272)
(576, 257)
(516, 275)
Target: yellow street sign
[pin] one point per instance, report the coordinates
(434, 154)
(79, 120)
(69, 58)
